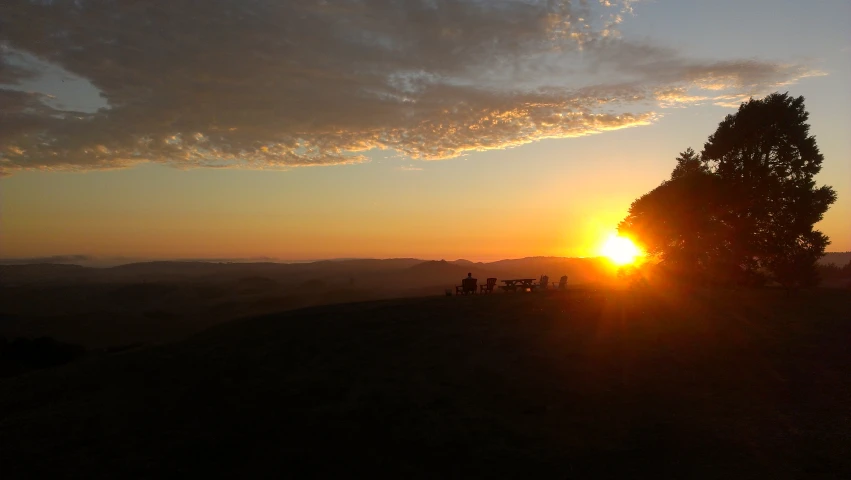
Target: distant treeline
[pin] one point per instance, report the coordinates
(832, 271)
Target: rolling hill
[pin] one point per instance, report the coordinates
(153, 302)
(584, 384)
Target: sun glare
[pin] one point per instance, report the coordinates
(620, 250)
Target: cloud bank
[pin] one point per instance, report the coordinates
(264, 83)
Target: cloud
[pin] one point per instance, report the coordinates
(271, 84)
(409, 168)
(12, 69)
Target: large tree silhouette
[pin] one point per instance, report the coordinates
(748, 201)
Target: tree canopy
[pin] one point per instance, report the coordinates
(748, 201)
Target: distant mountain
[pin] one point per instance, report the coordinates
(40, 273)
(435, 265)
(82, 260)
(126, 263)
(439, 269)
(53, 259)
(462, 261)
(435, 273)
(372, 271)
(578, 270)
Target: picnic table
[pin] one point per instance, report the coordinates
(518, 284)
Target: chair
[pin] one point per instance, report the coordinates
(468, 285)
(562, 283)
(488, 287)
(544, 283)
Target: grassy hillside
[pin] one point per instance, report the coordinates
(164, 301)
(583, 384)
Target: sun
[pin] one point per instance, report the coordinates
(620, 250)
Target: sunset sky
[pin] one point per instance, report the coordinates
(436, 129)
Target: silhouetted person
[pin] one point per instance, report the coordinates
(469, 284)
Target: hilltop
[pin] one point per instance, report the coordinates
(588, 384)
(152, 302)
(14, 274)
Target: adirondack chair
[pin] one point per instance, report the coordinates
(545, 282)
(562, 283)
(468, 285)
(488, 287)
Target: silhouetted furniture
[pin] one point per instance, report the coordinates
(518, 284)
(468, 285)
(562, 283)
(544, 283)
(488, 287)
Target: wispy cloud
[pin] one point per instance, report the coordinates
(265, 83)
(409, 168)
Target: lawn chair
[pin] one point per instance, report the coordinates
(488, 287)
(562, 283)
(544, 283)
(468, 285)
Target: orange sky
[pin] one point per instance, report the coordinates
(564, 199)
(442, 144)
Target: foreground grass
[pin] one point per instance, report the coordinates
(583, 384)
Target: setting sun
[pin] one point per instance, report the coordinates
(620, 250)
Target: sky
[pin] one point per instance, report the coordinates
(434, 129)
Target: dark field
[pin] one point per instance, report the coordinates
(583, 384)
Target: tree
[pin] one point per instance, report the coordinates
(677, 221)
(766, 159)
(688, 163)
(747, 201)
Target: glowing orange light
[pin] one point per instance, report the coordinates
(620, 250)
